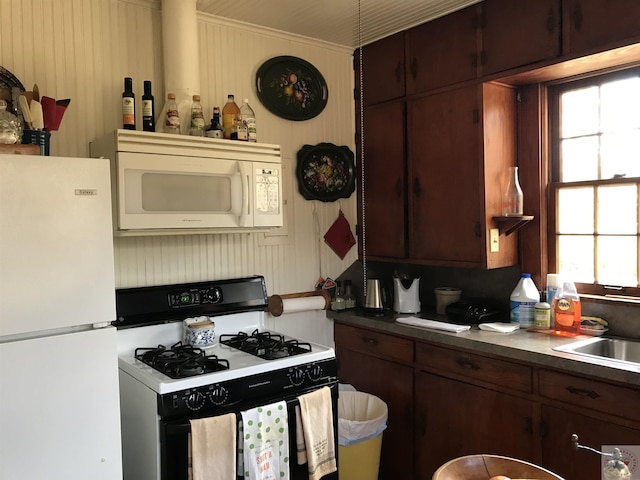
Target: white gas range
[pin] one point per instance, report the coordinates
(157, 403)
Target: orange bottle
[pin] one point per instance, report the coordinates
(566, 308)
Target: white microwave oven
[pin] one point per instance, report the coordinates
(176, 184)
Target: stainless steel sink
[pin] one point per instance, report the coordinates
(615, 349)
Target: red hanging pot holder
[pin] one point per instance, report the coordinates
(339, 236)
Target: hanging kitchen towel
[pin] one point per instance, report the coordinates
(266, 442)
(339, 236)
(317, 423)
(213, 447)
(300, 446)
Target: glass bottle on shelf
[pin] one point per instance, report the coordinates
(215, 130)
(172, 124)
(128, 105)
(512, 199)
(338, 299)
(197, 118)
(248, 121)
(148, 109)
(349, 297)
(230, 118)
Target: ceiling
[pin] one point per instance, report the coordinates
(334, 21)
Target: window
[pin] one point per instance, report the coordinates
(595, 182)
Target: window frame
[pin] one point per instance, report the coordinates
(554, 91)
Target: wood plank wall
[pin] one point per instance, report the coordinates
(82, 49)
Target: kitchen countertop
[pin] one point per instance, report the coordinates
(522, 345)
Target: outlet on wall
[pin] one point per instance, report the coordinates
(494, 240)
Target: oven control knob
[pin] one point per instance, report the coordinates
(218, 395)
(194, 400)
(296, 376)
(315, 373)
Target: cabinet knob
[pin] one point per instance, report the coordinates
(577, 17)
(414, 67)
(416, 187)
(398, 187)
(466, 362)
(551, 21)
(582, 392)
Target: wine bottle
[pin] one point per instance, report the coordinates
(148, 109)
(128, 105)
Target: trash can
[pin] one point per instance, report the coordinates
(362, 418)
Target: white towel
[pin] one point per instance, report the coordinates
(213, 447)
(499, 327)
(300, 446)
(266, 442)
(316, 412)
(432, 324)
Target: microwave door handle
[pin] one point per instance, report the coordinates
(244, 214)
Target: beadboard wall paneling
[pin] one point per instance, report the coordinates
(82, 50)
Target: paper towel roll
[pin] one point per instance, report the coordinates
(290, 305)
(298, 302)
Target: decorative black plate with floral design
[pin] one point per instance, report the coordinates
(325, 172)
(291, 88)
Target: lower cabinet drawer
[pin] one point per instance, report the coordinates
(498, 372)
(584, 392)
(373, 343)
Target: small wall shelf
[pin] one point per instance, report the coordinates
(510, 224)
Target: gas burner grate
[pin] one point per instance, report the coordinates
(265, 345)
(180, 361)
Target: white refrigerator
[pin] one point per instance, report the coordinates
(59, 401)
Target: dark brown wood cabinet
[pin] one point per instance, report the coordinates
(385, 181)
(519, 33)
(558, 453)
(460, 143)
(443, 51)
(383, 75)
(454, 418)
(366, 361)
(462, 395)
(454, 402)
(597, 25)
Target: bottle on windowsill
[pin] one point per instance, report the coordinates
(512, 199)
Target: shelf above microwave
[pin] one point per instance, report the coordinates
(509, 224)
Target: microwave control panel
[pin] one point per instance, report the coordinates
(268, 190)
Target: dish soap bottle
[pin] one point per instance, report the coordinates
(523, 301)
(566, 308)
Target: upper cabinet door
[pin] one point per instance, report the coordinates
(445, 200)
(519, 33)
(383, 73)
(443, 51)
(384, 174)
(600, 24)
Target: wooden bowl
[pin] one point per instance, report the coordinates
(485, 467)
